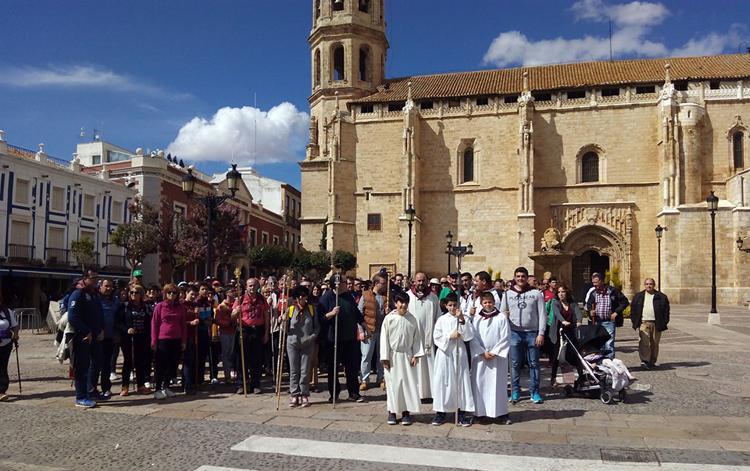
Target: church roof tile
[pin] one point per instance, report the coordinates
(562, 76)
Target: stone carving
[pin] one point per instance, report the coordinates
(314, 131)
(617, 216)
(551, 240)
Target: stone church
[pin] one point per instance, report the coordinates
(603, 152)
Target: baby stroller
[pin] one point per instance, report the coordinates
(598, 381)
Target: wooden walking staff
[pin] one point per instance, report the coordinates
(240, 297)
(18, 366)
(282, 337)
(336, 281)
(458, 365)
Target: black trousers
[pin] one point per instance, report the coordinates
(349, 354)
(252, 339)
(167, 357)
(4, 359)
(138, 346)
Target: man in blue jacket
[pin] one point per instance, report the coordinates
(85, 316)
(101, 351)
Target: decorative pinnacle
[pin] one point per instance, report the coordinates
(667, 79)
(525, 81)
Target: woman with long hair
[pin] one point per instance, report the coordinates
(8, 336)
(566, 315)
(168, 338)
(134, 323)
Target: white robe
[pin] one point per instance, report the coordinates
(444, 375)
(489, 378)
(427, 311)
(400, 341)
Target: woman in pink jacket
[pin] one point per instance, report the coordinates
(168, 338)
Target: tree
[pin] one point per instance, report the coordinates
(227, 237)
(270, 256)
(167, 229)
(344, 260)
(139, 238)
(612, 277)
(312, 264)
(83, 250)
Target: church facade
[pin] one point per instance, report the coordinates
(603, 152)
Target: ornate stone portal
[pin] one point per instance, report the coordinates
(552, 256)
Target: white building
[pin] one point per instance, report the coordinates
(45, 204)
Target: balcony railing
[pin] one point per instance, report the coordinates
(116, 261)
(20, 253)
(55, 256)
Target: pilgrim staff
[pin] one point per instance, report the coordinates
(335, 280)
(241, 295)
(18, 367)
(282, 338)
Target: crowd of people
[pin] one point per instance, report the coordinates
(451, 342)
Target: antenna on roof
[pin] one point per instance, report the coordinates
(610, 37)
(747, 47)
(255, 130)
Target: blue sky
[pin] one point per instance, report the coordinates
(145, 72)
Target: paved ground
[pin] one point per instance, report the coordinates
(695, 408)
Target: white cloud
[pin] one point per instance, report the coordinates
(75, 76)
(632, 22)
(281, 135)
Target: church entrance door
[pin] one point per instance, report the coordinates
(584, 266)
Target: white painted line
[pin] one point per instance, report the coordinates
(221, 468)
(443, 458)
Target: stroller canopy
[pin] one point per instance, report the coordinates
(591, 337)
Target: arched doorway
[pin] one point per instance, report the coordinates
(585, 265)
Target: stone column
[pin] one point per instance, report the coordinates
(691, 120)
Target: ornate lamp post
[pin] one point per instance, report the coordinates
(458, 251)
(712, 203)
(410, 214)
(740, 242)
(659, 231)
(211, 202)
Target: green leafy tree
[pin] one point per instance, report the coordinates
(83, 250)
(312, 264)
(270, 256)
(344, 260)
(139, 238)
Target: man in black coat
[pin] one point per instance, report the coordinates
(649, 313)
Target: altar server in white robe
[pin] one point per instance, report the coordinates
(451, 374)
(425, 306)
(489, 372)
(401, 352)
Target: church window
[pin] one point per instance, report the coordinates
(645, 89)
(454, 104)
(337, 5)
(483, 101)
(426, 105)
(338, 62)
(317, 9)
(364, 64)
(590, 167)
(576, 94)
(317, 68)
(737, 150)
(396, 106)
(714, 85)
(681, 86)
(373, 222)
(542, 97)
(467, 166)
(511, 99)
(610, 91)
(366, 109)
(364, 6)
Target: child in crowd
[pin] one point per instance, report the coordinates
(450, 334)
(400, 349)
(489, 372)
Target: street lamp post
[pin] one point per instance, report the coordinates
(740, 242)
(458, 251)
(410, 213)
(659, 231)
(713, 205)
(211, 202)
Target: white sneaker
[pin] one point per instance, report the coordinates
(107, 394)
(214, 381)
(160, 395)
(147, 384)
(113, 377)
(168, 392)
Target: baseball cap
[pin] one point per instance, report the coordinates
(138, 273)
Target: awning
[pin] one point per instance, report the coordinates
(52, 273)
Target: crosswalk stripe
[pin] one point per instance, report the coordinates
(221, 468)
(442, 458)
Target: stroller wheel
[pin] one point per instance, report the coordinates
(623, 395)
(568, 390)
(606, 397)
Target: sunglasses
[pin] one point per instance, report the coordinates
(134, 292)
(171, 292)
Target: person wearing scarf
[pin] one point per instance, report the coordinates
(425, 306)
(528, 321)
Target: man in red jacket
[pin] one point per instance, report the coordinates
(252, 312)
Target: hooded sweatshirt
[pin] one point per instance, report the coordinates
(526, 308)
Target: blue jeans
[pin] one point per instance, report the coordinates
(523, 344)
(610, 345)
(81, 360)
(368, 349)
